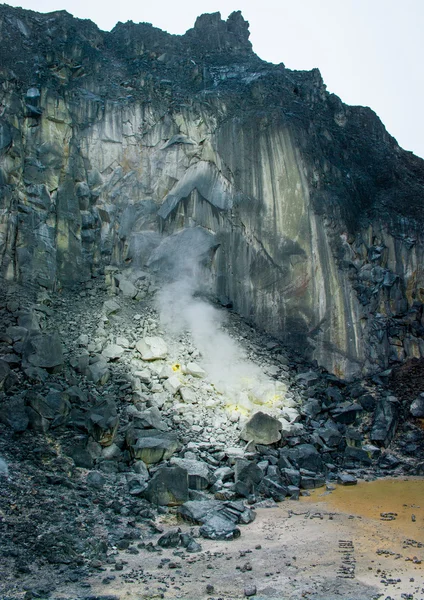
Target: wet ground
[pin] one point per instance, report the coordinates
(355, 543)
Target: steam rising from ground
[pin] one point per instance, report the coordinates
(241, 381)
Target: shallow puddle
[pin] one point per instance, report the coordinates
(398, 503)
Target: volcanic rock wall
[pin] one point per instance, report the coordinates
(138, 147)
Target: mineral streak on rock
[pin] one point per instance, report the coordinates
(110, 140)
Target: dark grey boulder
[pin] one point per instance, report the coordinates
(385, 421)
(417, 407)
(346, 479)
(262, 429)
(330, 434)
(168, 487)
(388, 461)
(368, 402)
(43, 350)
(47, 412)
(219, 528)
(136, 484)
(36, 374)
(199, 477)
(347, 413)
(81, 457)
(98, 372)
(248, 473)
(270, 488)
(27, 319)
(311, 408)
(306, 456)
(170, 539)
(310, 482)
(102, 422)
(353, 456)
(150, 418)
(199, 511)
(96, 480)
(13, 414)
(290, 476)
(151, 445)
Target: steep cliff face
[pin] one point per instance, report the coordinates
(136, 146)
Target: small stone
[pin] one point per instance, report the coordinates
(346, 479)
(250, 591)
(113, 352)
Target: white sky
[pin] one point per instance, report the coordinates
(369, 52)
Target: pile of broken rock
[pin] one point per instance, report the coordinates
(123, 419)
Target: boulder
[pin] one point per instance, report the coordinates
(199, 511)
(102, 422)
(248, 473)
(113, 352)
(98, 372)
(127, 288)
(198, 472)
(306, 456)
(173, 384)
(150, 418)
(151, 445)
(111, 307)
(36, 374)
(152, 348)
(262, 429)
(346, 479)
(347, 413)
(329, 434)
(47, 412)
(219, 528)
(170, 539)
(14, 415)
(385, 421)
(417, 407)
(43, 350)
(168, 487)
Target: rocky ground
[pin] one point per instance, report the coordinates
(126, 413)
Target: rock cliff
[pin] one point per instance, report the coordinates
(143, 148)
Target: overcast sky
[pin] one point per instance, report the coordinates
(369, 52)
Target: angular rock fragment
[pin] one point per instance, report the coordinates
(152, 348)
(151, 445)
(262, 429)
(168, 487)
(195, 370)
(98, 372)
(43, 350)
(346, 479)
(14, 415)
(385, 421)
(102, 422)
(197, 471)
(417, 407)
(113, 352)
(127, 288)
(219, 528)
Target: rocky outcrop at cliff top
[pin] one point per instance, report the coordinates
(120, 147)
